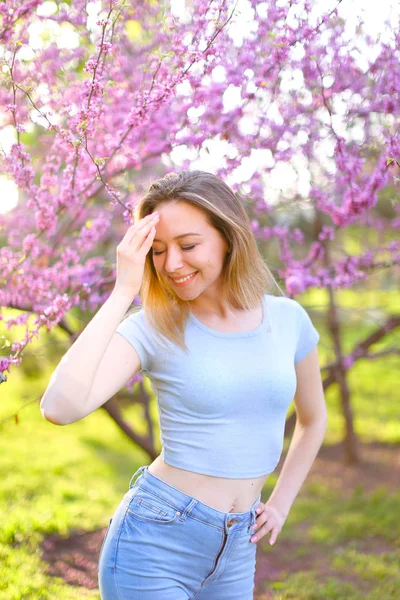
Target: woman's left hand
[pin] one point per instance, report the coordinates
(268, 519)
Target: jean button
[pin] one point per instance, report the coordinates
(232, 521)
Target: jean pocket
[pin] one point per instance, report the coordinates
(146, 507)
(104, 539)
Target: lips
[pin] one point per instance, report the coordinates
(183, 277)
(178, 280)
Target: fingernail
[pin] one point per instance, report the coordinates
(253, 539)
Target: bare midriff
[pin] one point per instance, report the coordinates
(223, 494)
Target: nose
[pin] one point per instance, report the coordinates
(173, 261)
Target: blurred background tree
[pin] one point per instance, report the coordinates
(294, 106)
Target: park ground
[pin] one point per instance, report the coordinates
(336, 555)
(61, 484)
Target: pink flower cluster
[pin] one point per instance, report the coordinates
(95, 123)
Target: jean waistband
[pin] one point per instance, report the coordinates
(189, 505)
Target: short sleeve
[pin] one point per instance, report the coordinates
(133, 328)
(308, 336)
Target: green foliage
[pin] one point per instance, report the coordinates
(54, 480)
(64, 479)
(375, 406)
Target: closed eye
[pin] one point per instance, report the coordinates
(185, 248)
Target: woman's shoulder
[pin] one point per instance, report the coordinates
(287, 311)
(135, 315)
(141, 320)
(281, 303)
(283, 308)
(137, 320)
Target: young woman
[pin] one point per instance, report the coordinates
(226, 357)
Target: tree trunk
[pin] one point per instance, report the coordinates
(359, 351)
(350, 439)
(144, 442)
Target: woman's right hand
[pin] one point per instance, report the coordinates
(131, 255)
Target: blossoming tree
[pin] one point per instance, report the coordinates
(102, 97)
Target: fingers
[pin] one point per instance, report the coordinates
(140, 230)
(264, 524)
(142, 223)
(260, 508)
(148, 240)
(274, 534)
(146, 223)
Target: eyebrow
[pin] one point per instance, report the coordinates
(180, 236)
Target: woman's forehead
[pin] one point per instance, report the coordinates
(181, 214)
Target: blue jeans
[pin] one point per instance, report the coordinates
(162, 544)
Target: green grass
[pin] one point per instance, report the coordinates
(22, 578)
(305, 586)
(357, 575)
(54, 480)
(61, 479)
(340, 535)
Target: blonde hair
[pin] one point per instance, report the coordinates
(246, 277)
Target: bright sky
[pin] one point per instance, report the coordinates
(283, 178)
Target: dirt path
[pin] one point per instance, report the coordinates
(75, 558)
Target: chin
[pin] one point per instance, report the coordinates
(188, 296)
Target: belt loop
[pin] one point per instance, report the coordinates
(189, 507)
(253, 517)
(253, 511)
(140, 470)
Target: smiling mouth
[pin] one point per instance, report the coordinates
(184, 279)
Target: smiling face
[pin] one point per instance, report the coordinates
(188, 252)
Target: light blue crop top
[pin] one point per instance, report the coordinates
(222, 408)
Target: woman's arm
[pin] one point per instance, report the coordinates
(94, 368)
(101, 361)
(308, 434)
(307, 439)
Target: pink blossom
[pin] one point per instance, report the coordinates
(120, 109)
(295, 285)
